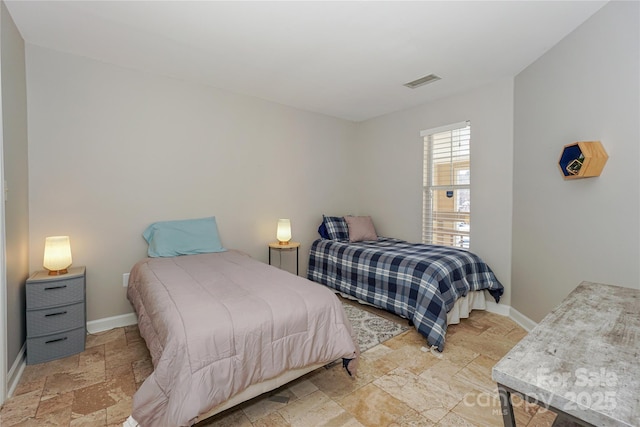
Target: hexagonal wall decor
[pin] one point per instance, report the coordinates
(582, 159)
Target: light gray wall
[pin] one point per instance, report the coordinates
(112, 150)
(564, 232)
(389, 170)
(14, 146)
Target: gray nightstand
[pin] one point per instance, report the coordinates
(56, 315)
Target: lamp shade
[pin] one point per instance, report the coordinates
(57, 254)
(284, 231)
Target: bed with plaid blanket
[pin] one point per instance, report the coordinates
(418, 282)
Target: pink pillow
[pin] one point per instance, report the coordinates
(360, 228)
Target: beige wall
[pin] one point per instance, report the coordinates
(564, 232)
(14, 146)
(390, 153)
(112, 150)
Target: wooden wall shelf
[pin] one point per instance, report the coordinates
(582, 159)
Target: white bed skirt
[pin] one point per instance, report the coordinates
(475, 300)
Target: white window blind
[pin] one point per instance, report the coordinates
(446, 211)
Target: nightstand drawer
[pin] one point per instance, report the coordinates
(50, 320)
(49, 294)
(50, 347)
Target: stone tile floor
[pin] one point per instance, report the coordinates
(397, 385)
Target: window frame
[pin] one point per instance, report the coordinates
(429, 189)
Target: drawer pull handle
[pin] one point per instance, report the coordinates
(55, 287)
(56, 340)
(55, 314)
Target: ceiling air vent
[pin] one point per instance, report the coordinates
(422, 81)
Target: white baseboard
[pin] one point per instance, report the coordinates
(522, 320)
(496, 308)
(510, 312)
(16, 370)
(107, 323)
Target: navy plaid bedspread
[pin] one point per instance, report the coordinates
(416, 281)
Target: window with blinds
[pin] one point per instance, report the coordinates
(446, 207)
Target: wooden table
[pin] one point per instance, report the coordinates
(286, 246)
(582, 361)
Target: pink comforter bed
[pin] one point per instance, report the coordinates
(218, 323)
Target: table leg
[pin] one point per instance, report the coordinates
(507, 409)
(269, 255)
(297, 261)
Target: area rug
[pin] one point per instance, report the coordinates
(371, 328)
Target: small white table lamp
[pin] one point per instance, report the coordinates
(57, 254)
(283, 233)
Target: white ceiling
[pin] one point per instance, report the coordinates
(343, 59)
